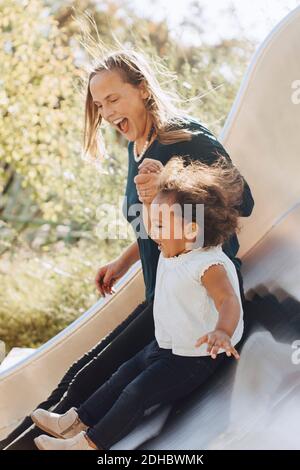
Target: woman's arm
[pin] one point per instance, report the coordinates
(206, 148)
(148, 180)
(246, 208)
(130, 255)
(146, 217)
(108, 274)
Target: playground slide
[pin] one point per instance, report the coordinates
(261, 135)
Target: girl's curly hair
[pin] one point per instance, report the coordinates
(219, 187)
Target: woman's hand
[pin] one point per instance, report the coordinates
(147, 186)
(217, 339)
(147, 181)
(149, 165)
(108, 275)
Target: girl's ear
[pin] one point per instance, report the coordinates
(191, 231)
(192, 235)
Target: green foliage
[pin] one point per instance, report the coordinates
(51, 201)
(40, 295)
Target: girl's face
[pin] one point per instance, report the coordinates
(121, 104)
(169, 229)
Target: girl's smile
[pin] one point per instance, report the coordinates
(172, 233)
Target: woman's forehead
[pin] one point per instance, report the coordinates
(106, 81)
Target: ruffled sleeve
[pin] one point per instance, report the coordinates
(205, 266)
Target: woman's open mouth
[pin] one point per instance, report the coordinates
(122, 124)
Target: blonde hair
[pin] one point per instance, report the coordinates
(169, 121)
(219, 187)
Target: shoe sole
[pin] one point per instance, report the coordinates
(47, 430)
(39, 445)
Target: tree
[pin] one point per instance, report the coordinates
(50, 198)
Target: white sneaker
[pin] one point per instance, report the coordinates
(78, 442)
(62, 426)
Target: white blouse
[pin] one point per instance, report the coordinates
(183, 311)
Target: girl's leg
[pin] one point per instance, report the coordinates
(92, 370)
(164, 381)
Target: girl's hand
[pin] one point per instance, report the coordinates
(216, 340)
(149, 165)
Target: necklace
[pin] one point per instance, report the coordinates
(139, 157)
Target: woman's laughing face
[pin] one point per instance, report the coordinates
(121, 104)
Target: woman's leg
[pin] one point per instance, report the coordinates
(101, 401)
(92, 370)
(131, 340)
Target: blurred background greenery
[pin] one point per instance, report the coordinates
(50, 196)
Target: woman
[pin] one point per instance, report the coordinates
(123, 91)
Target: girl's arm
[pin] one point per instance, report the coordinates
(220, 289)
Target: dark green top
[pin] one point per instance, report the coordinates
(201, 147)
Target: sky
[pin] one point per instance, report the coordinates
(252, 19)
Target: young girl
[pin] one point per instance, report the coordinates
(197, 301)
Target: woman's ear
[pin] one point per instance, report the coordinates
(144, 91)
